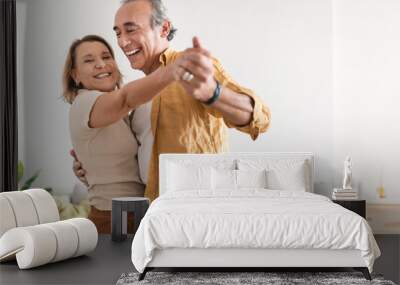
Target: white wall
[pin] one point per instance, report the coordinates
(366, 106)
(50, 27)
(299, 56)
(281, 49)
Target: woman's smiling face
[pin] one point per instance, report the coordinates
(95, 68)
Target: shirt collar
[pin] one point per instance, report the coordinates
(166, 56)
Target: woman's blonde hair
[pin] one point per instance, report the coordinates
(70, 88)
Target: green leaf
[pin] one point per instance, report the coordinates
(20, 171)
(29, 182)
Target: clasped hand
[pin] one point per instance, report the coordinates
(197, 63)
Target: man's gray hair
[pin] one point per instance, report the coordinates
(158, 16)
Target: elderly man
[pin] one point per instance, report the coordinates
(191, 114)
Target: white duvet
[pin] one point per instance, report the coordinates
(250, 218)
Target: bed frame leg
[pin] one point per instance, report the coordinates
(364, 271)
(143, 274)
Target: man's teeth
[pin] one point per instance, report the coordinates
(102, 75)
(135, 51)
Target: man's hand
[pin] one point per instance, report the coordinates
(196, 61)
(77, 168)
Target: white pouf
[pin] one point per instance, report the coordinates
(24, 211)
(7, 218)
(31, 232)
(37, 245)
(45, 205)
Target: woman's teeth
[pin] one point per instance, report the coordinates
(102, 75)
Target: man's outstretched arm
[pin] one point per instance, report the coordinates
(238, 106)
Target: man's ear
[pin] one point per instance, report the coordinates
(165, 29)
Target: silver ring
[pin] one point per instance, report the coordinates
(187, 76)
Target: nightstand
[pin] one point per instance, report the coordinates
(119, 215)
(357, 206)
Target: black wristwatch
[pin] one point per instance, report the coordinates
(215, 96)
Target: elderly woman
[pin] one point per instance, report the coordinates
(101, 139)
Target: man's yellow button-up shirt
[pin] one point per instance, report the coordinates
(182, 124)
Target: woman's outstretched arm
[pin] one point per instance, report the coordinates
(113, 106)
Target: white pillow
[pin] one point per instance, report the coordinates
(236, 179)
(293, 179)
(224, 179)
(181, 177)
(282, 174)
(252, 178)
(201, 160)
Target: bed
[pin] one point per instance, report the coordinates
(248, 210)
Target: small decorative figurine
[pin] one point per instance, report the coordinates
(347, 174)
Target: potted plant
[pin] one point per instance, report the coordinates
(28, 183)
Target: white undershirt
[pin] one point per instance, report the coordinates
(141, 126)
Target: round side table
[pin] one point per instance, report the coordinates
(119, 215)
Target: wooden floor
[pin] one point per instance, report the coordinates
(389, 262)
(103, 266)
(110, 260)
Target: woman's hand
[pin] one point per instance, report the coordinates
(77, 168)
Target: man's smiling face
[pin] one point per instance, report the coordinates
(140, 42)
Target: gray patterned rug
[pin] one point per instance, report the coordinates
(269, 278)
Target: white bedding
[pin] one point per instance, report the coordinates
(251, 218)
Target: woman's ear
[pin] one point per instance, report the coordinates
(165, 29)
(75, 77)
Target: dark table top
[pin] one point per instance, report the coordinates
(102, 266)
